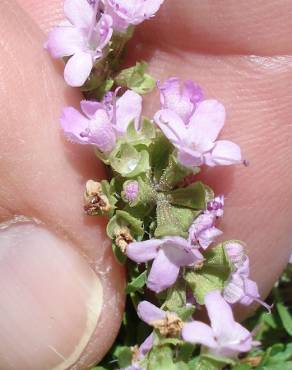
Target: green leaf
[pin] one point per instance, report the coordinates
(176, 300)
(193, 196)
(133, 223)
(184, 217)
(181, 366)
(276, 354)
(137, 283)
(124, 356)
(167, 223)
(94, 82)
(160, 150)
(121, 219)
(172, 220)
(185, 352)
(210, 362)
(98, 368)
(209, 193)
(275, 349)
(160, 358)
(280, 366)
(140, 211)
(269, 320)
(242, 367)
(136, 79)
(119, 255)
(109, 190)
(128, 161)
(173, 174)
(102, 156)
(172, 341)
(288, 366)
(144, 136)
(285, 317)
(203, 363)
(148, 130)
(98, 90)
(186, 312)
(219, 359)
(176, 296)
(212, 276)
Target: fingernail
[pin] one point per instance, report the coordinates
(50, 299)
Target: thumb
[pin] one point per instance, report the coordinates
(61, 293)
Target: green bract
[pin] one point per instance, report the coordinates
(136, 78)
(137, 283)
(144, 136)
(161, 358)
(108, 189)
(192, 196)
(124, 219)
(212, 276)
(174, 173)
(124, 356)
(176, 301)
(129, 162)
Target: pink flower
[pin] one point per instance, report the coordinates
(169, 255)
(181, 102)
(102, 123)
(195, 137)
(225, 337)
(240, 288)
(202, 231)
(216, 206)
(81, 37)
(130, 12)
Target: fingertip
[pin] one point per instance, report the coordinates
(51, 299)
(46, 14)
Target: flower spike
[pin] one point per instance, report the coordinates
(162, 220)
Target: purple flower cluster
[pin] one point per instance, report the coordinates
(169, 255)
(102, 122)
(203, 231)
(192, 125)
(224, 337)
(86, 34)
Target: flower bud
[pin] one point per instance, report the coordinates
(131, 190)
(216, 206)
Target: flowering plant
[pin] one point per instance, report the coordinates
(161, 217)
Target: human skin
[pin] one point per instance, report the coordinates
(51, 275)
